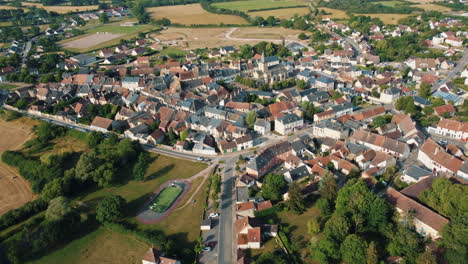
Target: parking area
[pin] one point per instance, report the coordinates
(210, 238)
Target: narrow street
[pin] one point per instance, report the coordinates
(227, 236)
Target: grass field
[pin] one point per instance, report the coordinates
(14, 190)
(193, 14)
(433, 7)
(245, 6)
(7, 86)
(335, 13)
(165, 198)
(391, 19)
(281, 13)
(390, 3)
(62, 9)
(101, 36)
(101, 246)
(173, 52)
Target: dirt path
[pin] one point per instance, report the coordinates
(204, 173)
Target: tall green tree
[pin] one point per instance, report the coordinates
(295, 201)
(425, 90)
(372, 255)
(58, 208)
(354, 250)
(455, 240)
(274, 186)
(328, 188)
(250, 119)
(110, 209)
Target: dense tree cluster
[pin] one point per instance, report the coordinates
(273, 187)
(447, 198)
(110, 209)
(358, 218)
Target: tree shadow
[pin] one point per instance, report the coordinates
(134, 206)
(182, 249)
(160, 172)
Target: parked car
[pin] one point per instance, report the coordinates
(213, 215)
(207, 249)
(210, 244)
(200, 159)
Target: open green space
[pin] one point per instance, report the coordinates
(391, 3)
(118, 29)
(173, 52)
(245, 6)
(165, 198)
(100, 246)
(7, 86)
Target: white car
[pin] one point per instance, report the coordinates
(200, 159)
(213, 215)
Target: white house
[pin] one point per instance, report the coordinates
(262, 126)
(451, 128)
(436, 159)
(287, 123)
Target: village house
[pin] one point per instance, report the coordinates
(381, 143)
(268, 158)
(101, 124)
(426, 222)
(451, 128)
(288, 123)
(437, 159)
(330, 128)
(153, 256)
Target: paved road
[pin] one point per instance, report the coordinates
(227, 236)
(454, 72)
(350, 41)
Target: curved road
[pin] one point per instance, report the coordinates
(232, 30)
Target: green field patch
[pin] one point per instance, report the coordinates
(7, 86)
(118, 29)
(166, 198)
(246, 6)
(391, 3)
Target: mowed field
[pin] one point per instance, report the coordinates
(62, 9)
(284, 13)
(193, 14)
(335, 13)
(391, 19)
(433, 7)
(196, 38)
(101, 246)
(246, 6)
(102, 36)
(90, 40)
(14, 190)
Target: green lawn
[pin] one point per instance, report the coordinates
(391, 3)
(117, 29)
(245, 6)
(7, 86)
(165, 198)
(173, 52)
(101, 246)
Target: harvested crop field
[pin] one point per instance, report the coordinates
(335, 13)
(90, 40)
(424, 1)
(62, 9)
(14, 190)
(391, 19)
(433, 7)
(246, 6)
(193, 14)
(281, 13)
(194, 38)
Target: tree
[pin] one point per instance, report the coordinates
(58, 208)
(354, 250)
(172, 136)
(103, 18)
(301, 84)
(274, 186)
(86, 165)
(272, 258)
(313, 226)
(52, 189)
(139, 169)
(426, 258)
(405, 243)
(337, 228)
(455, 241)
(250, 119)
(94, 138)
(295, 201)
(328, 188)
(183, 135)
(425, 90)
(110, 209)
(372, 256)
